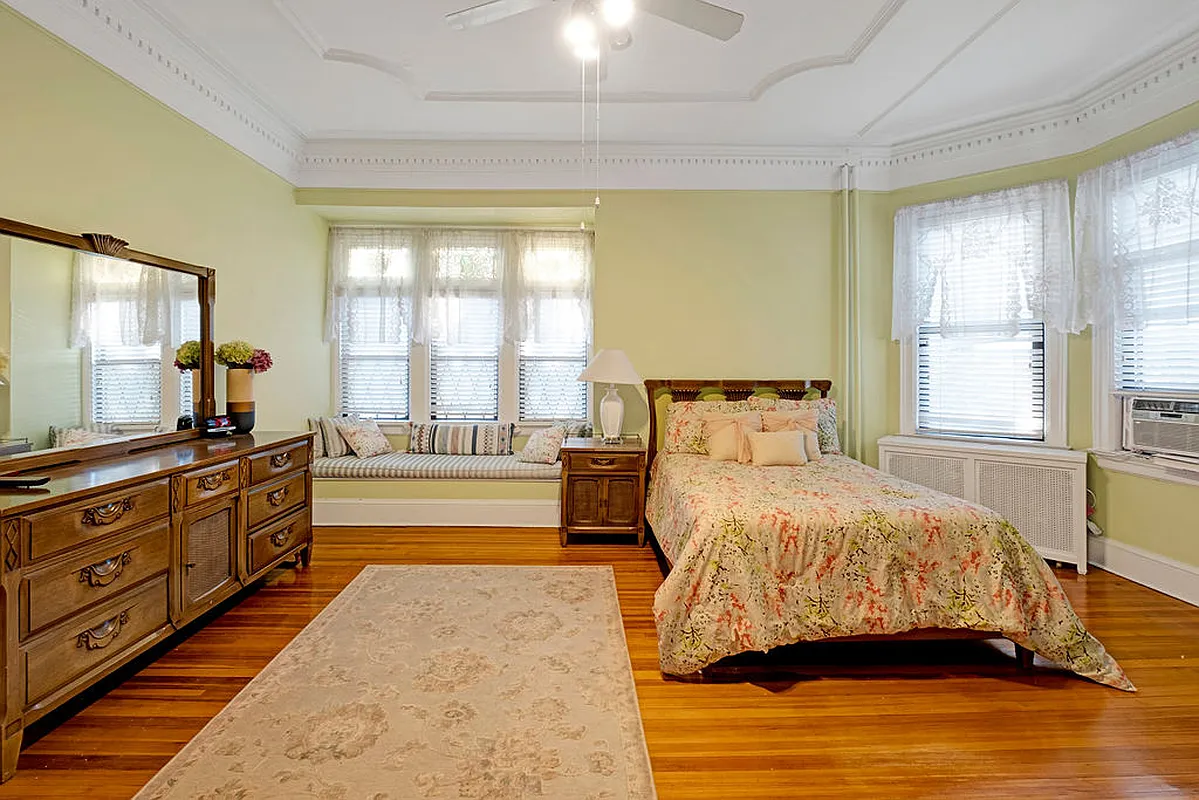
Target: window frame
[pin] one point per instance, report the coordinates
(1056, 384)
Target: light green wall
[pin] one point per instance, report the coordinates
(1150, 514)
(5, 333)
(81, 150)
(46, 375)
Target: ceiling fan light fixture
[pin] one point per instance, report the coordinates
(617, 13)
(581, 31)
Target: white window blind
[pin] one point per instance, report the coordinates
(1157, 350)
(126, 384)
(466, 303)
(982, 383)
(373, 374)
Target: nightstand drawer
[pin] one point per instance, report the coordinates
(601, 462)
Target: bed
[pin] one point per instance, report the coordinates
(766, 556)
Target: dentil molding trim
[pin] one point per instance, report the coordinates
(123, 36)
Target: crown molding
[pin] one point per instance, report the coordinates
(145, 49)
(140, 48)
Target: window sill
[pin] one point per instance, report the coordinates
(1155, 467)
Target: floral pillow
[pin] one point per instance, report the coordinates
(363, 437)
(543, 446)
(826, 417)
(684, 428)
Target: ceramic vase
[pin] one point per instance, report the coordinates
(239, 397)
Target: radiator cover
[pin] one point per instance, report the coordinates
(1041, 491)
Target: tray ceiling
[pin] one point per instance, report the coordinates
(384, 93)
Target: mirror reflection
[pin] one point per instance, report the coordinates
(88, 347)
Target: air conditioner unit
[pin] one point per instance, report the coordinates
(1161, 425)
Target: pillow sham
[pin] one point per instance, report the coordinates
(778, 449)
(683, 431)
(334, 443)
(544, 446)
(826, 417)
(485, 439)
(363, 437)
(725, 435)
(804, 420)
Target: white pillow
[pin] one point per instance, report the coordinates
(724, 435)
(783, 448)
(363, 437)
(543, 446)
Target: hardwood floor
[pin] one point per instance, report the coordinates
(871, 720)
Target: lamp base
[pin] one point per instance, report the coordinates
(611, 415)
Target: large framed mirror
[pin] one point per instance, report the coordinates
(89, 330)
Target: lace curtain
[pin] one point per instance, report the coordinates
(1147, 203)
(453, 286)
(987, 261)
(370, 292)
(126, 303)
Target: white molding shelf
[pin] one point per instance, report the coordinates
(1158, 572)
(143, 48)
(352, 512)
(1155, 467)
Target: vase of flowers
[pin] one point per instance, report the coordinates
(241, 361)
(187, 359)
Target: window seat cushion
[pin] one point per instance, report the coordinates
(433, 467)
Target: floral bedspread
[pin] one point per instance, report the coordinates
(766, 556)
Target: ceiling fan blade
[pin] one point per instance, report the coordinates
(698, 15)
(494, 11)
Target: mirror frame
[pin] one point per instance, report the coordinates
(107, 245)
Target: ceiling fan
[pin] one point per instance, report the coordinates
(583, 31)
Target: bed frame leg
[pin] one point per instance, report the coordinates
(1024, 657)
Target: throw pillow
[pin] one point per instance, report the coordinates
(805, 420)
(318, 441)
(782, 448)
(335, 444)
(725, 435)
(487, 439)
(543, 446)
(826, 417)
(683, 431)
(363, 437)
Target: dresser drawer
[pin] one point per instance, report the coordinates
(275, 499)
(49, 594)
(266, 466)
(602, 462)
(68, 651)
(203, 485)
(54, 531)
(275, 540)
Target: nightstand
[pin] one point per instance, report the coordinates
(603, 488)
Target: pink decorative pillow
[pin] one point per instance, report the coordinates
(543, 446)
(804, 420)
(683, 431)
(826, 417)
(781, 448)
(364, 437)
(725, 435)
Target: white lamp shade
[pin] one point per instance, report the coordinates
(610, 366)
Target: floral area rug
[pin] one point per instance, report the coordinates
(436, 682)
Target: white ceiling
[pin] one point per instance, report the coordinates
(375, 92)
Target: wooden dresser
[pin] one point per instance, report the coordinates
(603, 488)
(113, 556)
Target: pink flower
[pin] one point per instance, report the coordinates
(261, 360)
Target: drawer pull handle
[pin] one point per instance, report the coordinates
(280, 460)
(214, 481)
(277, 497)
(106, 571)
(280, 538)
(102, 635)
(107, 513)
(602, 462)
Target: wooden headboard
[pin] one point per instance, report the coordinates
(724, 388)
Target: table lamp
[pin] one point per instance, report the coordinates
(611, 367)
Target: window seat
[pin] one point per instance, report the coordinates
(433, 467)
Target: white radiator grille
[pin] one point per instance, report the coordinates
(943, 474)
(1041, 491)
(1037, 500)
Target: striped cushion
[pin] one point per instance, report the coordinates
(488, 439)
(318, 441)
(433, 467)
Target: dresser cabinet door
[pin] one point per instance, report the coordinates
(620, 501)
(208, 544)
(583, 502)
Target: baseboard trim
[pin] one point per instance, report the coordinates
(350, 512)
(1148, 569)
